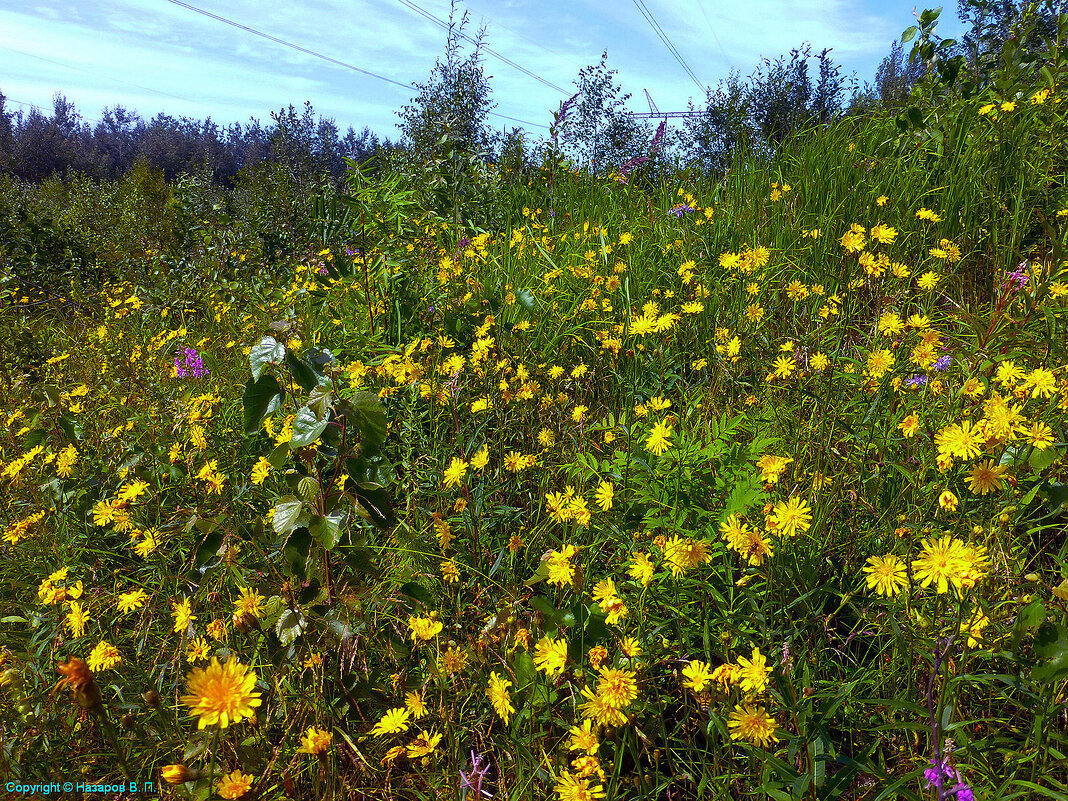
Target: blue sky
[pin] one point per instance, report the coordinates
(152, 55)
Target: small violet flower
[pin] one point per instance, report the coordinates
(190, 364)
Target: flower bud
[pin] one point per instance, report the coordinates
(178, 774)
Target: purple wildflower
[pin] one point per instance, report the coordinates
(942, 364)
(473, 780)
(679, 210)
(916, 381)
(191, 365)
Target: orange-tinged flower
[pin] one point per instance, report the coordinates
(221, 694)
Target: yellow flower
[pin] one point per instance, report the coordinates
(315, 741)
(221, 694)
(550, 656)
(392, 722)
(682, 554)
(76, 620)
(659, 438)
(182, 611)
(941, 562)
(424, 628)
(497, 690)
(948, 501)
(249, 602)
(423, 745)
(985, 477)
(697, 675)
(604, 495)
(455, 472)
(261, 470)
(752, 724)
(792, 517)
(234, 784)
(886, 574)
(753, 673)
(641, 568)
(910, 425)
(104, 656)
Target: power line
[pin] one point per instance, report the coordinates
(44, 111)
(316, 54)
(93, 74)
(640, 5)
(423, 12)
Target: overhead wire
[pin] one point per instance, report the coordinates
(645, 12)
(316, 54)
(442, 23)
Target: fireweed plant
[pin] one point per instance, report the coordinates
(741, 488)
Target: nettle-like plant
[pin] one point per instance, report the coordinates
(332, 463)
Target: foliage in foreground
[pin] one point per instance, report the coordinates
(735, 490)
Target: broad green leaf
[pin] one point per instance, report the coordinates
(262, 397)
(306, 428)
(290, 626)
(327, 530)
(303, 373)
(267, 351)
(286, 512)
(365, 413)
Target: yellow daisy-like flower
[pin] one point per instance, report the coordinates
(424, 628)
(234, 784)
(249, 602)
(423, 745)
(604, 495)
(659, 439)
(792, 517)
(497, 690)
(986, 477)
(315, 741)
(455, 472)
(394, 721)
(641, 568)
(104, 656)
(752, 724)
(573, 787)
(583, 737)
(129, 601)
(182, 612)
(682, 554)
(696, 675)
(550, 656)
(910, 425)
(886, 574)
(941, 562)
(221, 694)
(198, 650)
(753, 675)
(76, 619)
(261, 470)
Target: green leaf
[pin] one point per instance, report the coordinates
(365, 413)
(306, 428)
(71, 427)
(262, 397)
(1040, 460)
(418, 592)
(209, 546)
(1051, 645)
(279, 455)
(909, 34)
(267, 351)
(297, 550)
(286, 512)
(374, 501)
(290, 626)
(327, 530)
(303, 373)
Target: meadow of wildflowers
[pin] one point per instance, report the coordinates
(717, 489)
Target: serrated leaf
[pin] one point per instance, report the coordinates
(307, 427)
(327, 530)
(286, 512)
(290, 626)
(262, 397)
(267, 351)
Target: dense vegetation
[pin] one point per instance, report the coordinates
(497, 479)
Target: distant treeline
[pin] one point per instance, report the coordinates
(35, 146)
